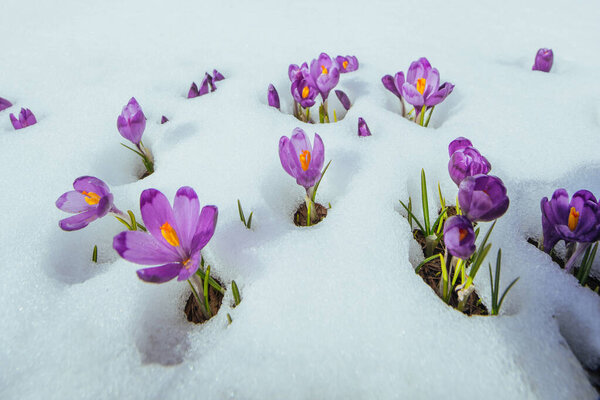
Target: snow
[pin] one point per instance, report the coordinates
(332, 311)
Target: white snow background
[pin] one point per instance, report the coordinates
(334, 311)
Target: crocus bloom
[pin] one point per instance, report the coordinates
(300, 159)
(394, 84)
(304, 92)
(363, 128)
(577, 220)
(273, 97)
(90, 200)
(175, 235)
(466, 161)
(217, 76)
(543, 60)
(482, 197)
(325, 75)
(26, 118)
(343, 98)
(164, 119)
(296, 72)
(346, 64)
(459, 236)
(132, 122)
(422, 86)
(459, 143)
(4, 104)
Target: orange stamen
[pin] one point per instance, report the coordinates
(462, 233)
(324, 70)
(169, 234)
(421, 85)
(305, 159)
(573, 219)
(91, 198)
(345, 64)
(305, 92)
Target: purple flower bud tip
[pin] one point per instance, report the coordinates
(459, 236)
(211, 83)
(4, 104)
(300, 159)
(132, 122)
(465, 160)
(164, 119)
(577, 220)
(204, 85)
(26, 118)
(343, 98)
(543, 60)
(217, 76)
(90, 200)
(363, 128)
(273, 97)
(482, 197)
(193, 92)
(175, 237)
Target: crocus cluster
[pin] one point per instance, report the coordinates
(131, 125)
(26, 118)
(207, 84)
(318, 79)
(421, 88)
(4, 104)
(481, 197)
(574, 221)
(543, 60)
(303, 161)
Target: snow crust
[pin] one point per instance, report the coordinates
(334, 311)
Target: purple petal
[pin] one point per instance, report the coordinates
(318, 153)
(273, 97)
(15, 122)
(193, 92)
(73, 202)
(205, 227)
(217, 76)
(189, 267)
(161, 274)
(78, 221)
(458, 144)
(343, 98)
(4, 104)
(285, 157)
(164, 119)
(142, 248)
(203, 86)
(91, 184)
(363, 128)
(388, 83)
(186, 208)
(412, 95)
(156, 211)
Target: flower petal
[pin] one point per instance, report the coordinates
(318, 153)
(186, 208)
(190, 268)
(78, 221)
(91, 184)
(412, 95)
(156, 210)
(205, 227)
(142, 248)
(73, 202)
(161, 274)
(285, 157)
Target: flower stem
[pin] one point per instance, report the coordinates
(581, 247)
(198, 298)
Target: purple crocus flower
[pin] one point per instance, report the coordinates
(273, 97)
(482, 197)
(90, 200)
(4, 104)
(26, 118)
(304, 92)
(543, 60)
(346, 64)
(577, 220)
(296, 72)
(217, 76)
(422, 86)
(132, 122)
(176, 235)
(459, 143)
(459, 236)
(300, 159)
(363, 128)
(325, 75)
(466, 161)
(394, 84)
(164, 119)
(193, 92)
(343, 98)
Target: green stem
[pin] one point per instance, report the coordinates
(200, 302)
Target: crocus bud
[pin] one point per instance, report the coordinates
(204, 85)
(26, 118)
(467, 162)
(577, 220)
(4, 104)
(164, 119)
(210, 82)
(273, 97)
(343, 98)
(394, 83)
(363, 129)
(132, 122)
(543, 60)
(217, 76)
(193, 92)
(459, 236)
(482, 197)
(458, 144)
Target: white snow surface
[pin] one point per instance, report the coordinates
(333, 311)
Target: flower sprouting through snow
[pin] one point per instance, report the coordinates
(131, 125)
(26, 118)
(465, 160)
(90, 200)
(300, 159)
(482, 197)
(4, 104)
(273, 97)
(363, 128)
(543, 60)
(176, 235)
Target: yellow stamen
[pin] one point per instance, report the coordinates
(91, 198)
(169, 234)
(305, 159)
(305, 92)
(421, 85)
(324, 69)
(573, 219)
(345, 64)
(187, 264)
(462, 233)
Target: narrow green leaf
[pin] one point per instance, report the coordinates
(124, 223)
(438, 220)
(505, 292)
(425, 261)
(250, 220)
(95, 254)
(133, 223)
(215, 285)
(229, 319)
(205, 289)
(413, 216)
(425, 202)
(494, 299)
(409, 209)
(236, 293)
(442, 200)
(498, 268)
(135, 151)
(314, 194)
(429, 117)
(242, 218)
